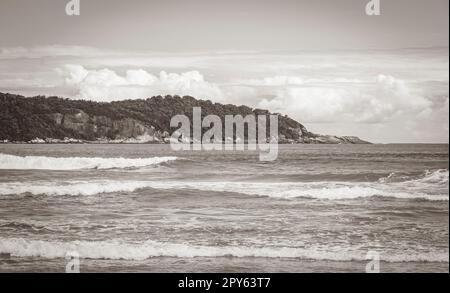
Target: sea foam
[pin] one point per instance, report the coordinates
(18, 247)
(284, 190)
(12, 162)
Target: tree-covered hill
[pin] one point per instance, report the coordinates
(24, 119)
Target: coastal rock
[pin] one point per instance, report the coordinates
(57, 120)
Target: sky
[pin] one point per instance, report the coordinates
(325, 63)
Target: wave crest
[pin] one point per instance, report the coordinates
(439, 176)
(71, 188)
(315, 190)
(12, 162)
(149, 249)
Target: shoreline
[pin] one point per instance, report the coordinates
(76, 141)
(163, 143)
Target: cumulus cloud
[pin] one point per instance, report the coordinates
(385, 99)
(108, 85)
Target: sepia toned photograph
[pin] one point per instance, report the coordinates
(207, 136)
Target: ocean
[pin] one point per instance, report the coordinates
(146, 208)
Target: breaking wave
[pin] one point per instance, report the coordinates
(72, 188)
(316, 190)
(12, 162)
(148, 249)
(439, 176)
(421, 189)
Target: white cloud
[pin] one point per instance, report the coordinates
(385, 99)
(107, 85)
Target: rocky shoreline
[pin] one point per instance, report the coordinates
(54, 120)
(318, 140)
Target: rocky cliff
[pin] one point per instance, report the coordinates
(52, 119)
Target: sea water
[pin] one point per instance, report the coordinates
(147, 208)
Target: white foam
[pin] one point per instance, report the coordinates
(315, 190)
(71, 188)
(439, 176)
(148, 249)
(12, 162)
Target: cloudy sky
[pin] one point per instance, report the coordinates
(323, 62)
